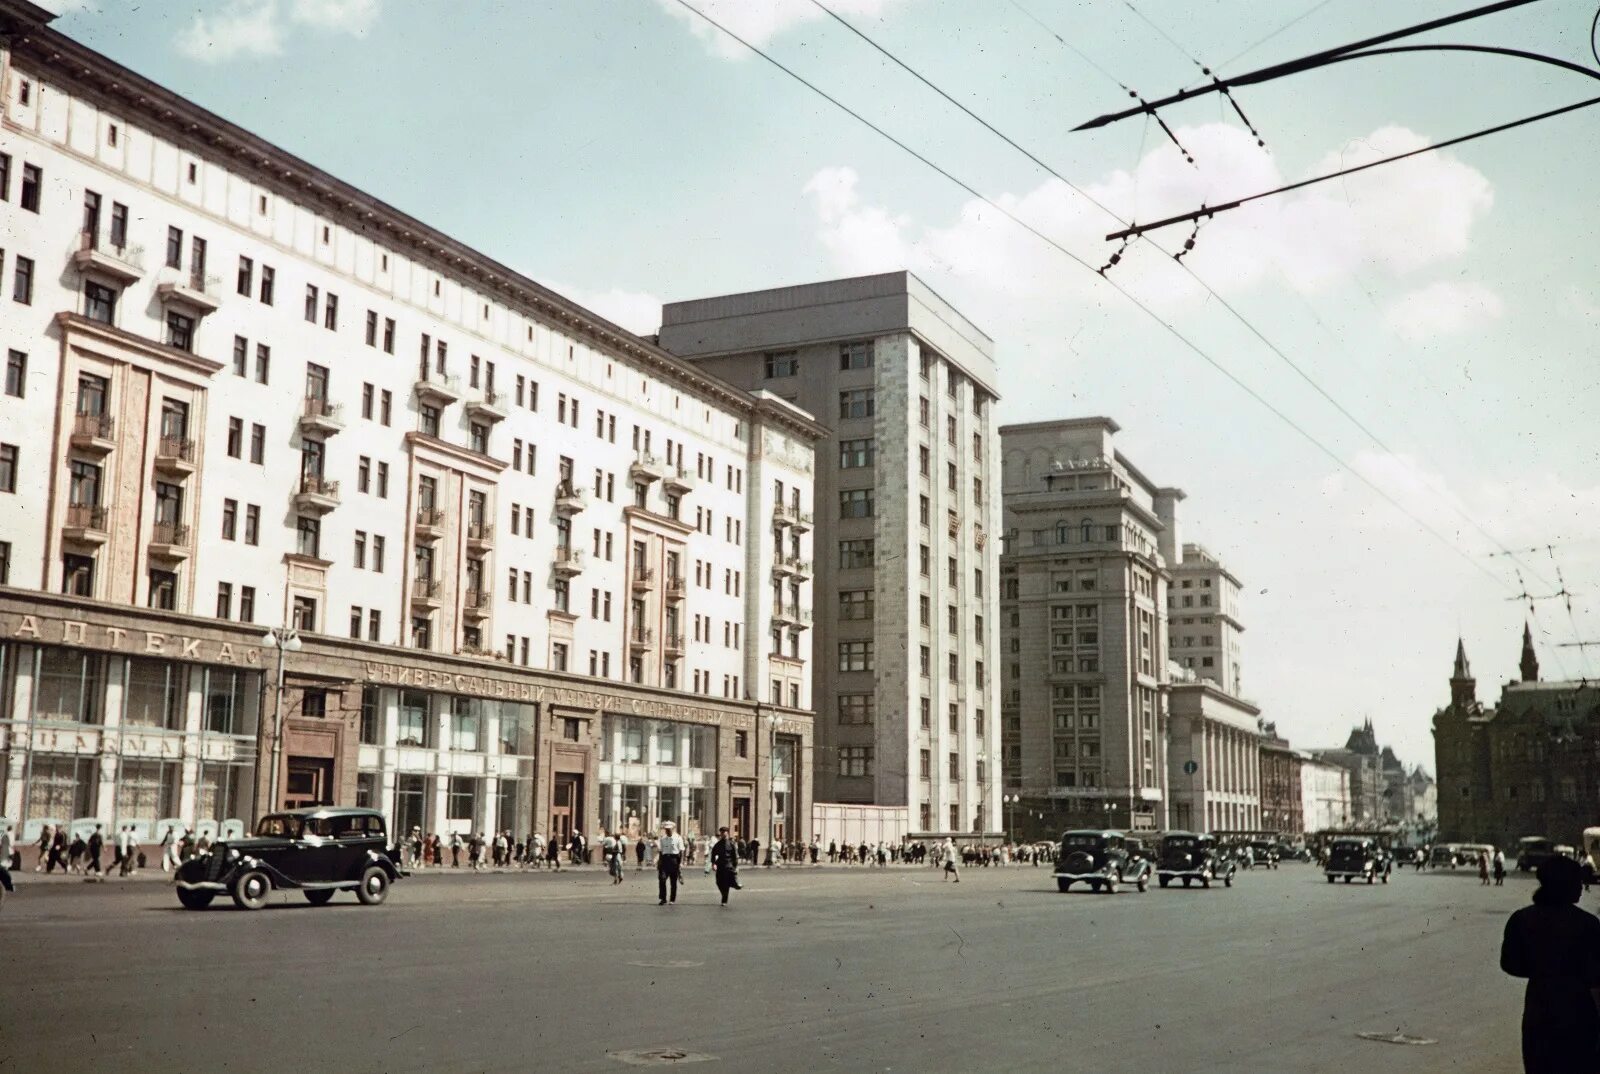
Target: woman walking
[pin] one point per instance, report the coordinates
(1483, 868)
(1499, 868)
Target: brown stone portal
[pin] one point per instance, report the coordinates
(309, 782)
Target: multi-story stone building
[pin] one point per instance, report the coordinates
(1282, 795)
(511, 551)
(1214, 758)
(1360, 758)
(1325, 794)
(1203, 610)
(907, 505)
(1083, 627)
(1523, 767)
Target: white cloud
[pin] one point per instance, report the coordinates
(1441, 309)
(342, 16)
(1399, 219)
(241, 28)
(637, 311)
(759, 21)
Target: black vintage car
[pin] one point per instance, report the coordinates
(1356, 859)
(1193, 857)
(1101, 860)
(1264, 852)
(320, 851)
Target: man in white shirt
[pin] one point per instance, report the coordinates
(671, 851)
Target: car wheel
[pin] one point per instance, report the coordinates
(319, 897)
(1163, 880)
(1144, 884)
(1330, 879)
(1110, 887)
(251, 889)
(1227, 881)
(194, 900)
(1063, 885)
(1186, 881)
(1347, 879)
(374, 886)
(1205, 882)
(1369, 878)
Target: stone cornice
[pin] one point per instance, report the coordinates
(432, 449)
(214, 138)
(76, 327)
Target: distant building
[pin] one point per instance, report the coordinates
(1282, 796)
(1324, 794)
(1220, 734)
(1523, 767)
(1362, 760)
(1203, 613)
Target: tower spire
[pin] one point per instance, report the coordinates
(1463, 688)
(1530, 662)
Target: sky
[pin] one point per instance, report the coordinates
(1444, 311)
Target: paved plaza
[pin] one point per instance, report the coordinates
(811, 969)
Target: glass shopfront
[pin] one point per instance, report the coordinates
(653, 771)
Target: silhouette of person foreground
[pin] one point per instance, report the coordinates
(1556, 946)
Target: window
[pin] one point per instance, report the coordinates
(856, 604)
(950, 428)
(258, 444)
(855, 355)
(77, 575)
(782, 364)
(180, 331)
(924, 461)
(429, 419)
(16, 373)
(922, 411)
(163, 590)
(858, 403)
(855, 503)
(308, 536)
(235, 437)
(855, 656)
(22, 285)
(174, 247)
(268, 279)
(856, 454)
(855, 760)
(388, 336)
(311, 302)
(32, 182)
(8, 467)
(856, 553)
(247, 273)
(230, 519)
(99, 302)
(252, 527)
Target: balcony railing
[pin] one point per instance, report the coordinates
(480, 532)
(86, 516)
(643, 576)
(171, 533)
(430, 517)
(673, 643)
(318, 411)
(641, 636)
(178, 448)
(441, 386)
(95, 426)
(675, 585)
(312, 485)
(790, 515)
(569, 559)
(478, 599)
(425, 589)
(570, 499)
(122, 261)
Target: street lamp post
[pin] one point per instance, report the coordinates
(286, 642)
(1011, 801)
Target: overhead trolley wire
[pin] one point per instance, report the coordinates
(1170, 328)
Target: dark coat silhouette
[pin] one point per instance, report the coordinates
(1555, 945)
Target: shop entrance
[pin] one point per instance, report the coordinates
(566, 807)
(741, 818)
(309, 782)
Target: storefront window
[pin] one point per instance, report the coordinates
(462, 804)
(666, 736)
(607, 813)
(697, 820)
(414, 721)
(519, 728)
(669, 806)
(465, 719)
(61, 788)
(147, 791)
(367, 790)
(632, 742)
(410, 803)
(225, 791)
(702, 747)
(69, 686)
(233, 700)
(155, 694)
(371, 716)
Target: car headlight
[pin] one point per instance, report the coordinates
(232, 855)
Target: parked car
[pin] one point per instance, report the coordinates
(1101, 860)
(1353, 859)
(1264, 853)
(1190, 857)
(319, 851)
(1445, 856)
(1533, 851)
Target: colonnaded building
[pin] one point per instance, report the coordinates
(303, 501)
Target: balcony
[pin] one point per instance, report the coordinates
(437, 388)
(789, 615)
(94, 433)
(791, 515)
(170, 540)
(570, 500)
(480, 535)
(490, 405)
(320, 416)
(643, 578)
(649, 467)
(430, 523)
(675, 587)
(480, 653)
(316, 495)
(426, 592)
(800, 568)
(175, 456)
(678, 481)
(477, 603)
(979, 537)
(199, 293)
(672, 644)
(569, 561)
(86, 524)
(125, 264)
(641, 638)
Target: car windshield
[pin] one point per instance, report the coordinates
(1179, 842)
(280, 826)
(1081, 842)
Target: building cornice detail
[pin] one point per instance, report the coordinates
(75, 328)
(442, 453)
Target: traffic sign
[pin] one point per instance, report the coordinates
(1190, 767)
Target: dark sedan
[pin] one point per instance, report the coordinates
(319, 851)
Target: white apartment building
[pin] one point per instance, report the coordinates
(1325, 795)
(240, 391)
(906, 511)
(1203, 607)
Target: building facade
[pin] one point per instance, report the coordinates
(1083, 628)
(1282, 793)
(1522, 767)
(1214, 759)
(240, 391)
(1325, 795)
(906, 513)
(1360, 757)
(1203, 609)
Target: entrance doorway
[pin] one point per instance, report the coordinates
(566, 807)
(309, 782)
(741, 818)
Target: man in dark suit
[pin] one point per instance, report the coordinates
(725, 863)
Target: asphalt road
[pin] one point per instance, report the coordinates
(809, 970)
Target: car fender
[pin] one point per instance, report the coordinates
(249, 862)
(384, 862)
